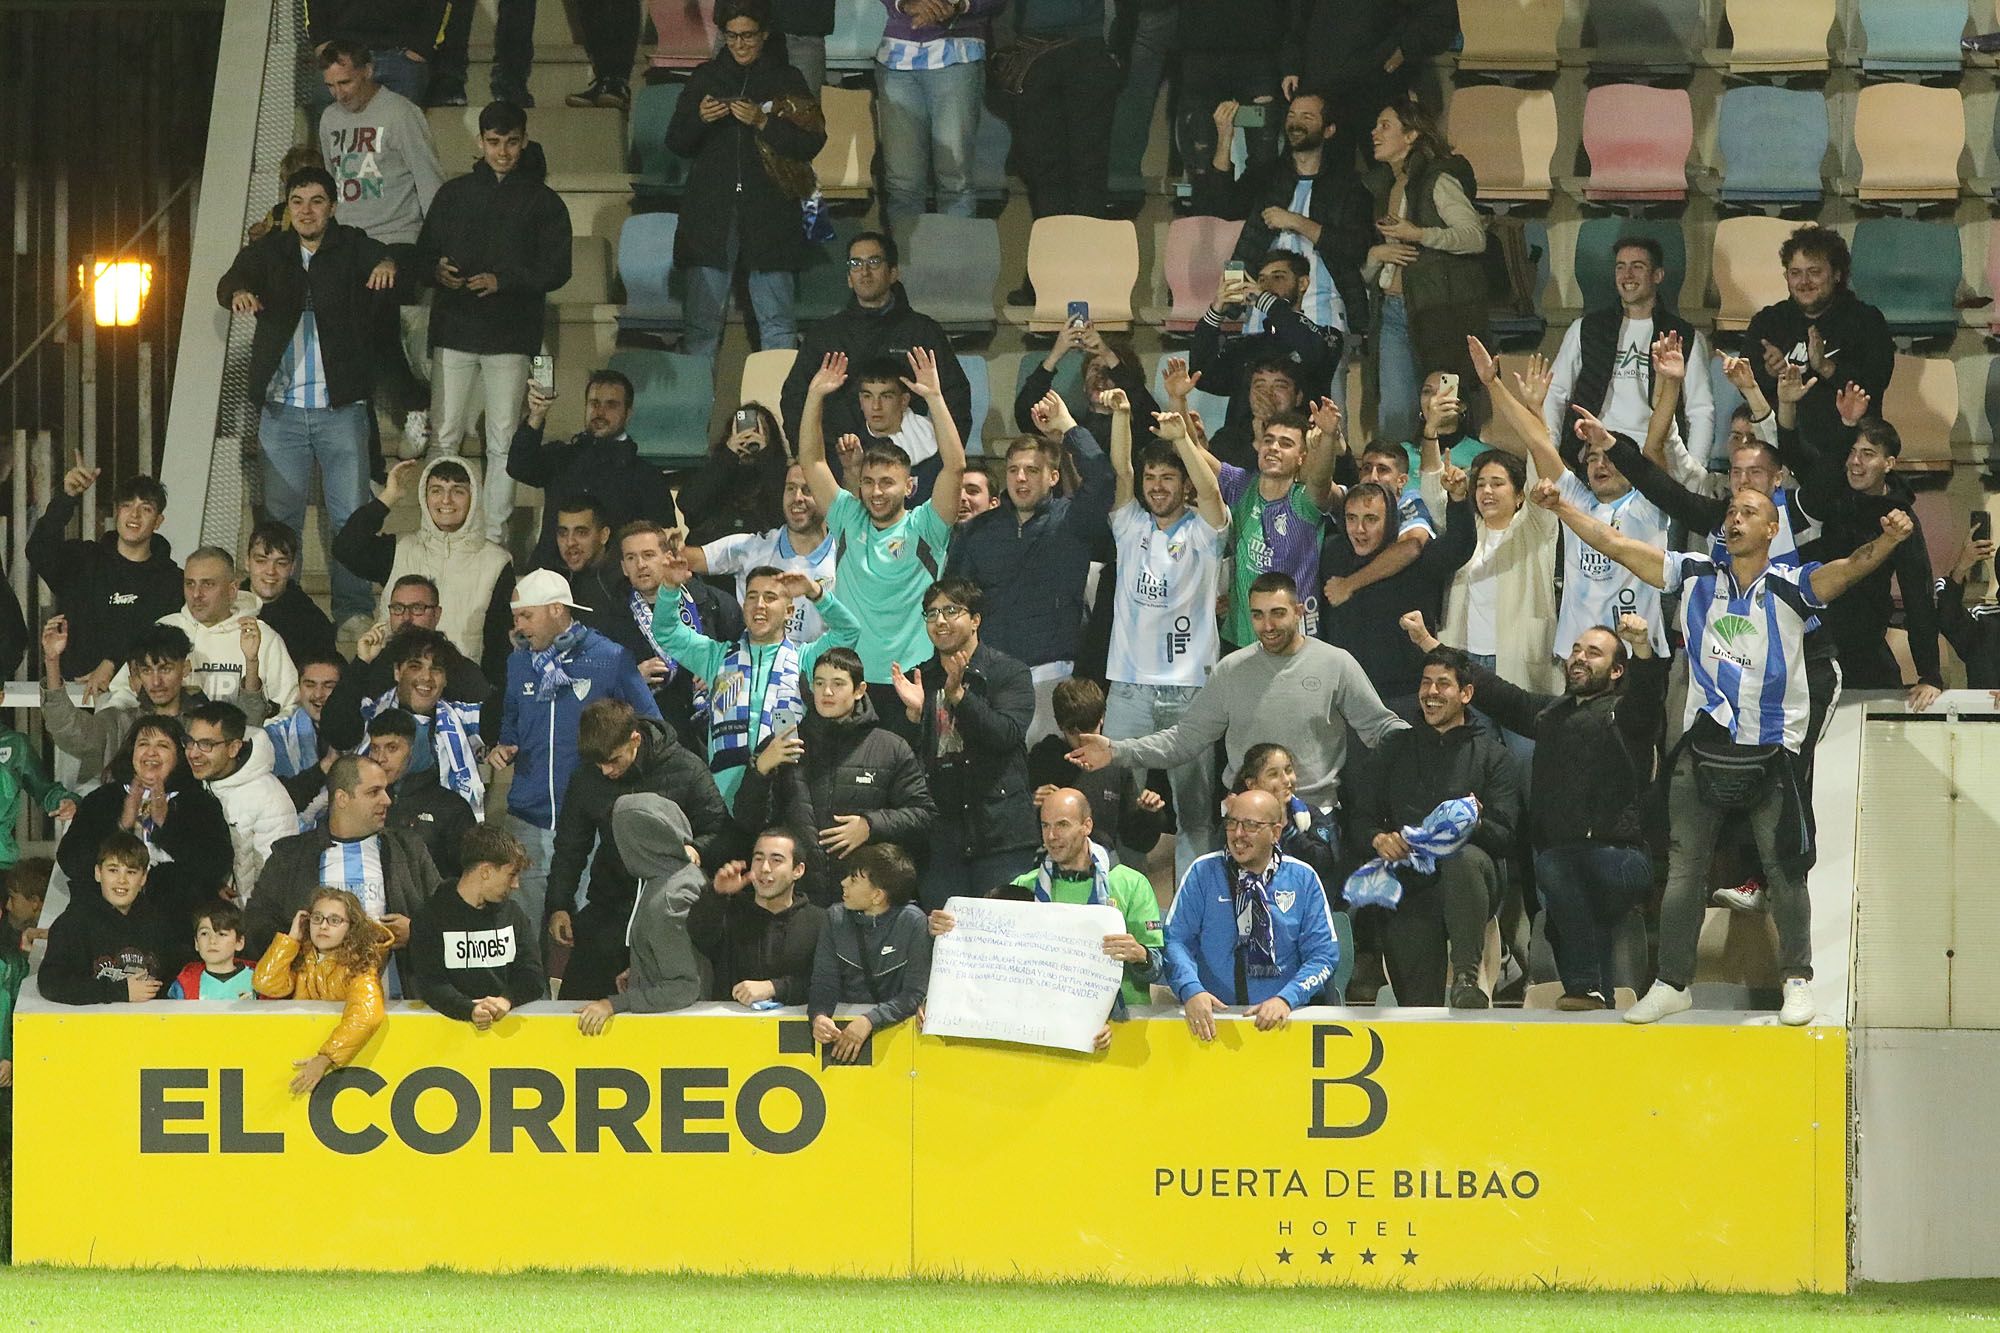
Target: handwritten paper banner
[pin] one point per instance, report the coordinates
(1034, 973)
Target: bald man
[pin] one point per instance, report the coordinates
(1249, 926)
(1074, 869)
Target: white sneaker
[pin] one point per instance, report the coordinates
(416, 431)
(1662, 1001)
(1798, 1008)
(1745, 897)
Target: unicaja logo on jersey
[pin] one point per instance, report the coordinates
(1725, 631)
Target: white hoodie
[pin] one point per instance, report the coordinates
(258, 808)
(218, 658)
(463, 564)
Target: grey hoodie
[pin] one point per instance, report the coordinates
(652, 836)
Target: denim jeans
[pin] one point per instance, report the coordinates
(295, 440)
(951, 874)
(806, 53)
(1131, 711)
(503, 380)
(1155, 34)
(1589, 891)
(1397, 381)
(771, 296)
(534, 893)
(929, 118)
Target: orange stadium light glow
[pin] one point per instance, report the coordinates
(118, 290)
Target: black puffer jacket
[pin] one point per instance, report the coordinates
(515, 228)
(728, 187)
(664, 767)
(983, 787)
(855, 766)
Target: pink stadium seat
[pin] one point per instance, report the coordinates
(1638, 139)
(687, 32)
(1196, 250)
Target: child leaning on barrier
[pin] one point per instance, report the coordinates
(120, 943)
(876, 949)
(217, 972)
(334, 951)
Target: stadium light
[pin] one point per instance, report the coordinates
(117, 289)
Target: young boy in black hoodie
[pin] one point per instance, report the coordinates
(876, 949)
(110, 585)
(472, 945)
(761, 943)
(119, 943)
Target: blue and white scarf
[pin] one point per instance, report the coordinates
(1100, 878)
(1444, 831)
(731, 738)
(455, 738)
(294, 743)
(643, 613)
(1256, 937)
(547, 668)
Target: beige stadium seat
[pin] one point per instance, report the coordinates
(1922, 403)
(764, 377)
(1509, 136)
(1773, 36)
(1748, 276)
(1737, 948)
(1076, 258)
(589, 273)
(1509, 34)
(573, 139)
(846, 166)
(1908, 138)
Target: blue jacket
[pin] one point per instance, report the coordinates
(1033, 573)
(546, 732)
(1201, 935)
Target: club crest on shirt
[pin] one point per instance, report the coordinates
(581, 688)
(1278, 524)
(893, 547)
(1285, 899)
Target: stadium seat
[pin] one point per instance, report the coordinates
(685, 39)
(1638, 139)
(1908, 138)
(1509, 35)
(1192, 258)
(991, 144)
(1214, 407)
(1911, 36)
(1922, 402)
(1512, 318)
(654, 292)
(1726, 399)
(1772, 141)
(981, 385)
(1076, 258)
(1594, 240)
(1748, 276)
(857, 31)
(764, 376)
(1911, 270)
(1945, 525)
(1773, 37)
(950, 268)
(673, 393)
(822, 285)
(656, 172)
(1509, 136)
(1643, 36)
(846, 165)
(589, 273)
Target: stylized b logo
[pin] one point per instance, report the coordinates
(1377, 1095)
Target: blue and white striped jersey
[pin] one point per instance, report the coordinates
(1746, 648)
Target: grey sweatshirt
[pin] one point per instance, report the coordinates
(384, 166)
(1304, 701)
(652, 836)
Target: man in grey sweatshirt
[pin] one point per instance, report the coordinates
(1287, 687)
(654, 840)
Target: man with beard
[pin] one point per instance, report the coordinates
(1275, 336)
(976, 491)
(1593, 762)
(600, 458)
(447, 739)
(582, 538)
(1822, 328)
(802, 546)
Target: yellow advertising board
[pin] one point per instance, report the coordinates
(1501, 1151)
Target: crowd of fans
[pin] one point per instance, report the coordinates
(1384, 682)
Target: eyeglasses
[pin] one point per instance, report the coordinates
(322, 919)
(743, 38)
(937, 615)
(200, 746)
(869, 262)
(1248, 825)
(411, 608)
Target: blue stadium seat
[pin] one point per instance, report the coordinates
(656, 172)
(1594, 240)
(1910, 269)
(673, 393)
(1068, 383)
(1509, 326)
(857, 31)
(1214, 407)
(1643, 36)
(654, 292)
(1772, 141)
(1911, 36)
(981, 384)
(950, 267)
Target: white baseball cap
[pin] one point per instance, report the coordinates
(544, 587)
